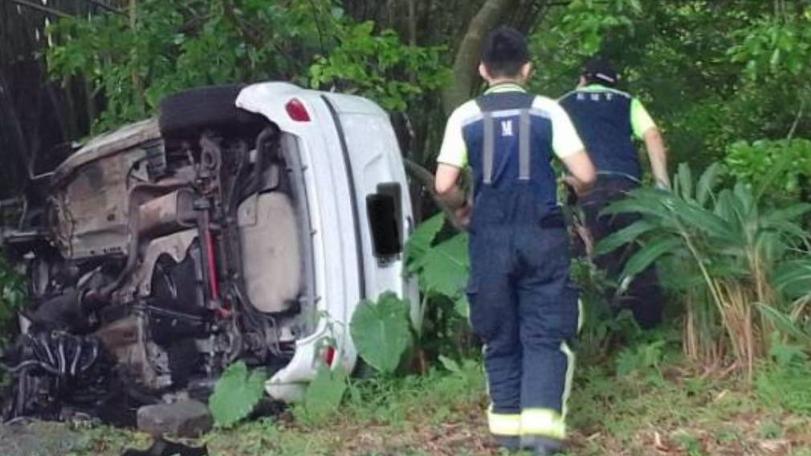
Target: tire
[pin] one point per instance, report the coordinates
(186, 114)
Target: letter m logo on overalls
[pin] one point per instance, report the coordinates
(507, 128)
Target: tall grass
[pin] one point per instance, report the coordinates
(730, 248)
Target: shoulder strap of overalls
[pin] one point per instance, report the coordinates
(490, 108)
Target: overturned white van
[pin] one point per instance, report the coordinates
(245, 223)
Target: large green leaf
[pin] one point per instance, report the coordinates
(725, 206)
(624, 236)
(685, 181)
(649, 254)
(787, 214)
(236, 394)
(324, 394)
(707, 182)
(700, 218)
(788, 229)
(784, 323)
(793, 278)
(746, 200)
(645, 201)
(381, 331)
(422, 238)
(462, 306)
(444, 268)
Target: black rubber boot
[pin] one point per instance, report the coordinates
(542, 446)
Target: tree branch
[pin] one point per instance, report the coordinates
(39, 7)
(426, 179)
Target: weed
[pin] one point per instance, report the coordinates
(639, 358)
(442, 413)
(770, 430)
(728, 435)
(786, 383)
(323, 397)
(786, 387)
(690, 444)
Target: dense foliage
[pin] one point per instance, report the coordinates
(733, 252)
(172, 45)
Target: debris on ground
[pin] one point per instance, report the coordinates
(184, 419)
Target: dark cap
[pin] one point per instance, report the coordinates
(600, 71)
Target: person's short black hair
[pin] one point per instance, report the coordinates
(599, 70)
(504, 52)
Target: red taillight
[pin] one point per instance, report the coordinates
(297, 111)
(329, 355)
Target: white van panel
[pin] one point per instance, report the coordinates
(342, 245)
(376, 159)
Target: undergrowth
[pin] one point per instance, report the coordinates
(643, 399)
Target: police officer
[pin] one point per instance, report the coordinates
(607, 120)
(523, 304)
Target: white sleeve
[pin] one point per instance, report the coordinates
(454, 149)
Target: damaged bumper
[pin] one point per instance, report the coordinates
(319, 349)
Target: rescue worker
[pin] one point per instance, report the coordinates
(607, 120)
(523, 304)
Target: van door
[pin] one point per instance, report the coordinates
(381, 194)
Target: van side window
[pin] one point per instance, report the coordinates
(384, 210)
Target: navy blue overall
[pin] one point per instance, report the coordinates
(603, 121)
(523, 304)
(603, 118)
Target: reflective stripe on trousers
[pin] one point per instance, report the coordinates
(504, 424)
(536, 421)
(543, 422)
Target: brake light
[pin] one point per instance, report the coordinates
(296, 110)
(329, 355)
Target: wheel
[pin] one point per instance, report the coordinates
(186, 114)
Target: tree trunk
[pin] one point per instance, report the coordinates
(467, 56)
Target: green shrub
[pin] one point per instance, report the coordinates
(778, 168)
(732, 245)
(439, 260)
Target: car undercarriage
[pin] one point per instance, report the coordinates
(156, 256)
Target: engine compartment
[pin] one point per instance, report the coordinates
(162, 260)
